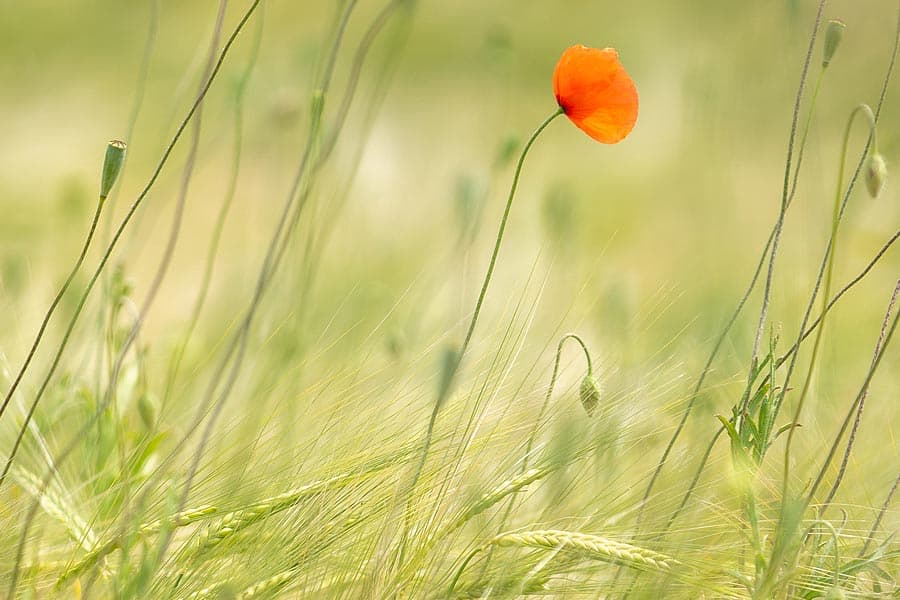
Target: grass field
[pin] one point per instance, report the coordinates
(269, 371)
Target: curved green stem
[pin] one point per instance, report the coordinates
(553, 378)
(503, 220)
(484, 286)
(53, 305)
(835, 219)
(537, 423)
(40, 334)
(447, 384)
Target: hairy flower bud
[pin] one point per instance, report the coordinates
(590, 394)
(112, 165)
(833, 34)
(876, 174)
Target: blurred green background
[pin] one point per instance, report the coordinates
(644, 247)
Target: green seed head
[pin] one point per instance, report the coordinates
(833, 34)
(876, 174)
(590, 394)
(112, 165)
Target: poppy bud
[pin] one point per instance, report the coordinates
(590, 394)
(833, 35)
(876, 174)
(112, 165)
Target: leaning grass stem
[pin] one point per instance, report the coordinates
(784, 544)
(877, 523)
(857, 409)
(835, 220)
(103, 261)
(779, 225)
(835, 541)
(288, 219)
(740, 306)
(46, 320)
(792, 352)
(224, 211)
(883, 343)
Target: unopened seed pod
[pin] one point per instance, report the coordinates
(876, 174)
(112, 165)
(833, 34)
(590, 394)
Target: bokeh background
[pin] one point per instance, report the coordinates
(644, 247)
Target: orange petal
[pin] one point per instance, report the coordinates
(596, 93)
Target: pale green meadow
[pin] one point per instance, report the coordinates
(283, 352)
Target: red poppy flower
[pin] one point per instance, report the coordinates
(596, 93)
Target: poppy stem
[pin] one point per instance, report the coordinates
(446, 388)
(503, 220)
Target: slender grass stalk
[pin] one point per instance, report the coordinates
(850, 284)
(287, 222)
(124, 223)
(877, 523)
(776, 238)
(224, 210)
(857, 409)
(835, 540)
(835, 220)
(793, 353)
(288, 219)
(787, 355)
(46, 320)
(787, 199)
(103, 261)
(863, 391)
(879, 105)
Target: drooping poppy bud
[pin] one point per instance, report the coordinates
(876, 174)
(590, 394)
(112, 165)
(596, 93)
(833, 34)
